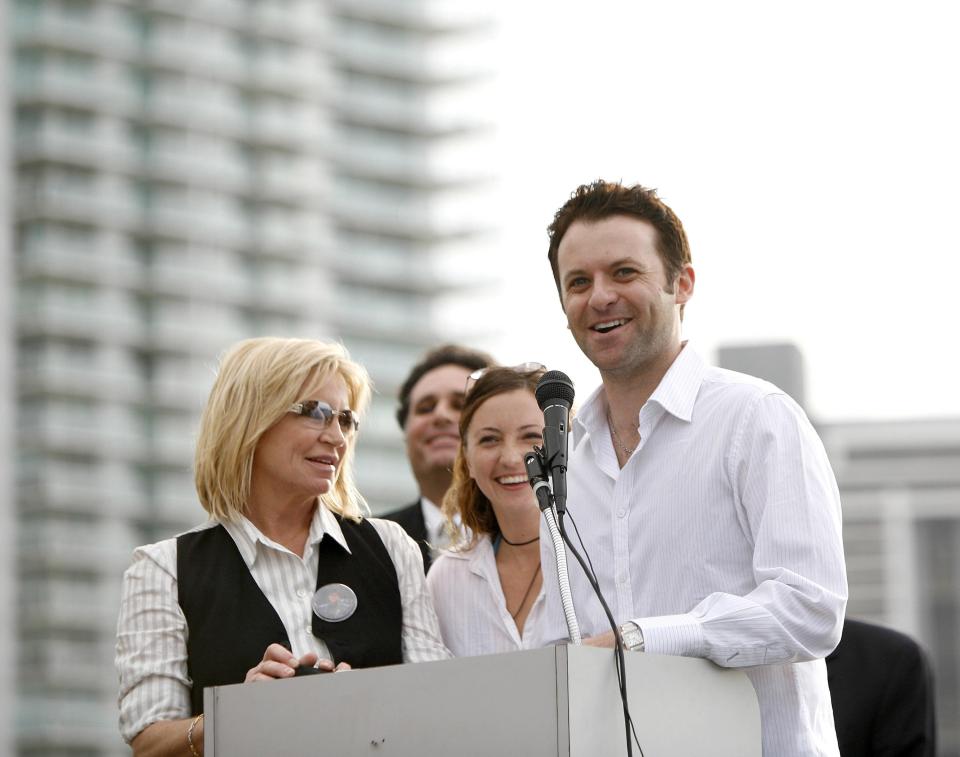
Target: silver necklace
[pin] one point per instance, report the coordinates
(616, 437)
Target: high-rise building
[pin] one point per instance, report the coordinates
(410, 200)
(188, 175)
(8, 507)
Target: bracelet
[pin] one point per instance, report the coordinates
(193, 749)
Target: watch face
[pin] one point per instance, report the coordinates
(632, 636)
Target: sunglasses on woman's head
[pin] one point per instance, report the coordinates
(474, 377)
(322, 413)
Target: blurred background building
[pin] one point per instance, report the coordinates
(900, 487)
(186, 175)
(8, 508)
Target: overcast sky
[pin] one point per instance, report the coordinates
(811, 151)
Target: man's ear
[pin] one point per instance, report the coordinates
(685, 282)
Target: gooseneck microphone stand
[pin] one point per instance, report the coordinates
(547, 472)
(536, 465)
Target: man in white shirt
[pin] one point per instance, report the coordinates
(703, 496)
(431, 398)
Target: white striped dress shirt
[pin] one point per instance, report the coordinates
(471, 607)
(720, 538)
(151, 653)
(436, 527)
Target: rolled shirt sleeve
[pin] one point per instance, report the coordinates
(151, 652)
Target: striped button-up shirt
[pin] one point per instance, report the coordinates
(152, 631)
(720, 538)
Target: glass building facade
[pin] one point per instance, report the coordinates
(186, 175)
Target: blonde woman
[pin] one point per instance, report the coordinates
(287, 575)
(487, 590)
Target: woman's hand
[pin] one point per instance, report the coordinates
(277, 662)
(326, 666)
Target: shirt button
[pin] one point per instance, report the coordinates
(621, 513)
(621, 579)
(301, 592)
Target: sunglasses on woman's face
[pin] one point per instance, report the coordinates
(322, 414)
(474, 377)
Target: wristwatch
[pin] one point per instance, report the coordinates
(632, 636)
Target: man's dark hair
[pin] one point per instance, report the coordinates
(447, 354)
(603, 199)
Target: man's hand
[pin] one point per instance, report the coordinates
(606, 640)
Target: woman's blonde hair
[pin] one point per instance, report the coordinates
(257, 382)
(464, 500)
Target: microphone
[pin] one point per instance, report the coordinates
(555, 396)
(537, 475)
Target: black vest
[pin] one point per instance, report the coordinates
(230, 623)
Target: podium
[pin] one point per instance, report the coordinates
(561, 700)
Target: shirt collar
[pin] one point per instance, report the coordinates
(432, 517)
(590, 417)
(676, 393)
(247, 536)
(325, 522)
(475, 555)
(481, 556)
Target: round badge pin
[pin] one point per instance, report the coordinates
(334, 602)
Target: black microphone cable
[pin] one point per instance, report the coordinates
(555, 394)
(537, 474)
(618, 641)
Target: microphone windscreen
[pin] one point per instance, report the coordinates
(553, 387)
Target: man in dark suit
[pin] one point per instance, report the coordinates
(882, 691)
(431, 398)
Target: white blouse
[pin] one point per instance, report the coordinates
(470, 605)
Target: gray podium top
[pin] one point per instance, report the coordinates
(540, 703)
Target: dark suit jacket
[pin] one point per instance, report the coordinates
(882, 690)
(411, 518)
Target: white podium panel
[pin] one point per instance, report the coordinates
(540, 703)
